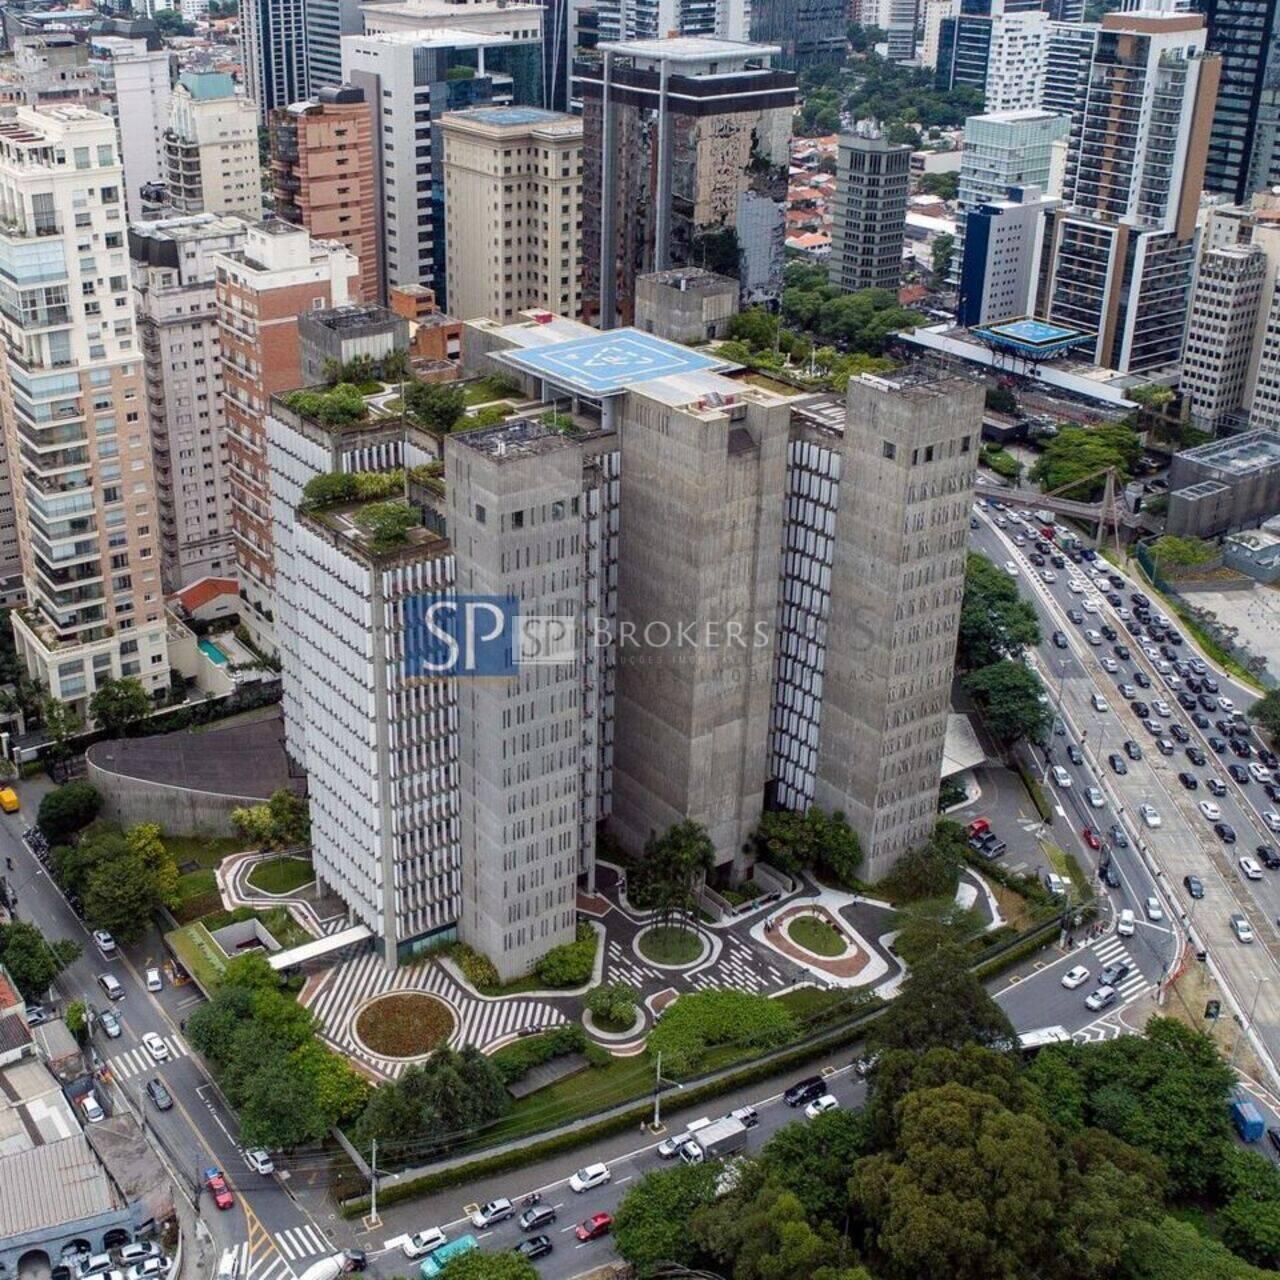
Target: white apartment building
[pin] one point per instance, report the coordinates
(513, 211)
(135, 86)
(1017, 61)
(211, 148)
(173, 272)
(931, 16)
(72, 395)
(409, 76)
(656, 19)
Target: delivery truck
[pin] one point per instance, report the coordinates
(1247, 1119)
(723, 1137)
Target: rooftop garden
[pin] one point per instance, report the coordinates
(351, 486)
(341, 405)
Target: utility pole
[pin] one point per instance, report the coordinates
(373, 1183)
(657, 1093)
(1244, 1030)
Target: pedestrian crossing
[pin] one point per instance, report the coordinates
(298, 1243)
(282, 1256)
(738, 968)
(135, 1062)
(480, 1022)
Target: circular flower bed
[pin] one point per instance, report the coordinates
(404, 1024)
(671, 946)
(817, 936)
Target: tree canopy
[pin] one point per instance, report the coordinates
(795, 842)
(32, 961)
(116, 704)
(1009, 695)
(996, 620)
(1077, 451)
(68, 809)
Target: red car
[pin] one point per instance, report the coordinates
(1091, 838)
(595, 1226)
(216, 1183)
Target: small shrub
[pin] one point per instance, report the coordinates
(476, 967)
(570, 964)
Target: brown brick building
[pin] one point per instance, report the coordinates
(262, 288)
(322, 174)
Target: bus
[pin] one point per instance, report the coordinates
(1031, 1042)
(434, 1263)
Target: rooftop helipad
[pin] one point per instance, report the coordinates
(606, 364)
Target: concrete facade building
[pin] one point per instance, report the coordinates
(513, 211)
(1123, 245)
(173, 273)
(877, 523)
(1225, 485)
(211, 148)
(262, 288)
(85, 500)
(49, 69)
(676, 132)
(412, 77)
(869, 210)
(323, 177)
(686, 304)
(135, 89)
(361, 330)
(807, 31)
(1003, 255)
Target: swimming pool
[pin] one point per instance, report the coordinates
(213, 653)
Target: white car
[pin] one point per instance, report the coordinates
(105, 942)
(1076, 587)
(825, 1103)
(259, 1161)
(1110, 664)
(148, 1269)
(1251, 869)
(1259, 773)
(1010, 568)
(1154, 910)
(1210, 810)
(1100, 703)
(1093, 637)
(594, 1175)
(421, 1243)
(1048, 575)
(1061, 776)
(1150, 815)
(154, 981)
(1090, 605)
(1242, 928)
(156, 1047)
(1272, 819)
(1095, 797)
(1075, 977)
(1125, 923)
(1162, 708)
(1226, 704)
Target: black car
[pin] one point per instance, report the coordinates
(1036, 559)
(1116, 581)
(1199, 719)
(1140, 600)
(1194, 887)
(1193, 685)
(1140, 709)
(1059, 640)
(1167, 651)
(1174, 637)
(1057, 561)
(1179, 733)
(1108, 631)
(1268, 758)
(1186, 701)
(1239, 773)
(1110, 876)
(159, 1094)
(533, 1247)
(1189, 781)
(1113, 973)
(1118, 837)
(1132, 750)
(1115, 598)
(1273, 791)
(1273, 1137)
(805, 1091)
(1219, 745)
(1117, 763)
(1142, 680)
(541, 1215)
(1208, 703)
(1074, 615)
(1268, 857)
(1241, 748)
(1210, 684)
(1196, 756)
(1223, 726)
(1225, 832)
(1121, 651)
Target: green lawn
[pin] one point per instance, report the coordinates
(814, 1005)
(483, 390)
(208, 851)
(670, 944)
(198, 891)
(816, 936)
(282, 875)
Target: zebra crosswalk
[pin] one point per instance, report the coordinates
(350, 984)
(1111, 950)
(299, 1243)
(282, 1256)
(134, 1062)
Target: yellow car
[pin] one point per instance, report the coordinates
(9, 800)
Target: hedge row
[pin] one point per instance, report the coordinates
(516, 1060)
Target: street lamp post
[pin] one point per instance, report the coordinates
(1244, 1030)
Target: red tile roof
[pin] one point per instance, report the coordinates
(910, 293)
(8, 992)
(199, 594)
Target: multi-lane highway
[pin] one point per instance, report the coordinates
(275, 1236)
(1114, 686)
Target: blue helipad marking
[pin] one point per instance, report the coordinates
(606, 363)
(1035, 331)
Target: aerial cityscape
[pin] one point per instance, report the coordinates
(641, 639)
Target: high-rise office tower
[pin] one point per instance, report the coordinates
(1066, 70)
(681, 139)
(1244, 145)
(413, 78)
(513, 211)
(932, 13)
(173, 269)
(1004, 149)
(1122, 247)
(998, 47)
(807, 31)
(73, 400)
(273, 52)
(622, 20)
(262, 288)
(877, 522)
(899, 20)
(323, 176)
(1002, 256)
(327, 22)
(135, 90)
(870, 210)
(211, 148)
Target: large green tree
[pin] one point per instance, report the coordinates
(651, 1224)
(67, 810)
(120, 896)
(438, 406)
(1009, 694)
(1265, 713)
(32, 961)
(116, 704)
(673, 865)
(812, 1161)
(1077, 452)
(817, 840)
(996, 621)
(477, 1265)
